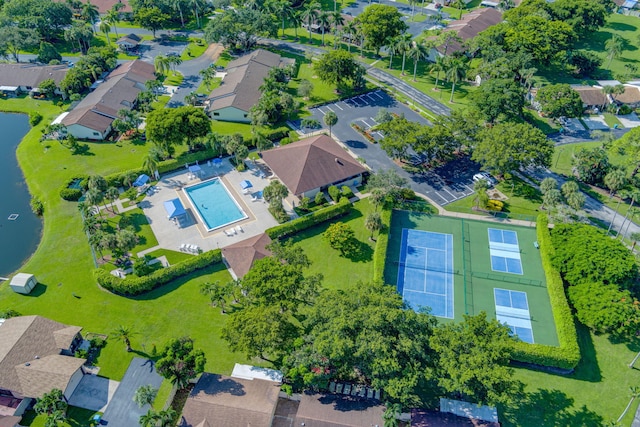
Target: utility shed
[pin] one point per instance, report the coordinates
(23, 283)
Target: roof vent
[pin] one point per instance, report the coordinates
(27, 364)
(338, 161)
(37, 357)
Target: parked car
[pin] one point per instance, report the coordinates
(491, 181)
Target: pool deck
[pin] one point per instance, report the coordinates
(192, 232)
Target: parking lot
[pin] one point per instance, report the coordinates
(443, 185)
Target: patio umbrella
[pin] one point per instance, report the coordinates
(217, 162)
(246, 184)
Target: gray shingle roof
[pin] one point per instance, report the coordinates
(30, 75)
(469, 26)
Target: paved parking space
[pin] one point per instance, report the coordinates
(595, 123)
(93, 393)
(122, 410)
(443, 185)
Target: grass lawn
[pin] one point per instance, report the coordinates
(523, 201)
(340, 271)
(546, 125)
(611, 120)
(194, 49)
(173, 79)
(76, 417)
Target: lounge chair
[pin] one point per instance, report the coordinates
(347, 389)
(369, 393)
(183, 247)
(332, 387)
(239, 229)
(339, 388)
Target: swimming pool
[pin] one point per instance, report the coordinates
(213, 203)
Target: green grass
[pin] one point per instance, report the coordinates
(546, 125)
(194, 49)
(173, 79)
(523, 201)
(230, 127)
(76, 417)
(611, 120)
(163, 395)
(340, 271)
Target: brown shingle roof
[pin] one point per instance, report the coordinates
(631, 95)
(30, 75)
(119, 90)
(242, 255)
(9, 421)
(591, 95)
(469, 26)
(105, 5)
(130, 39)
(245, 75)
(217, 400)
(424, 418)
(329, 410)
(24, 338)
(311, 163)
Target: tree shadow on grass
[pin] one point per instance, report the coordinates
(621, 26)
(82, 150)
(547, 407)
(177, 283)
(359, 251)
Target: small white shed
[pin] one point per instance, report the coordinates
(23, 283)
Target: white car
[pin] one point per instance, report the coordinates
(485, 177)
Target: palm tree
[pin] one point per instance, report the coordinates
(124, 333)
(174, 61)
(145, 395)
(392, 48)
(337, 21)
(112, 195)
(403, 45)
(634, 393)
(281, 8)
(373, 222)
(296, 21)
(196, 5)
(309, 14)
(324, 20)
(90, 13)
(614, 47)
(459, 4)
(505, 5)
(350, 29)
(94, 197)
(105, 28)
(456, 71)
(113, 17)
(217, 294)
(177, 5)
(149, 164)
(634, 237)
(391, 414)
(613, 90)
(330, 119)
(635, 196)
(437, 67)
(167, 418)
(162, 64)
(417, 52)
(150, 419)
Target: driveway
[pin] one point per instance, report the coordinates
(122, 410)
(93, 393)
(443, 185)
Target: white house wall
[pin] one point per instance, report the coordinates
(82, 132)
(73, 383)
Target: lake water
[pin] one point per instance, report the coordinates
(19, 238)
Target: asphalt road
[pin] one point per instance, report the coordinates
(444, 185)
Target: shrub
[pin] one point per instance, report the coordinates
(380, 251)
(285, 141)
(305, 203)
(334, 193)
(279, 214)
(97, 342)
(141, 266)
(37, 207)
(624, 110)
(495, 205)
(319, 199)
(131, 193)
(567, 354)
(71, 194)
(131, 285)
(317, 217)
(293, 136)
(34, 118)
(310, 123)
(346, 192)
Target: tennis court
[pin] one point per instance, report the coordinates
(471, 271)
(425, 273)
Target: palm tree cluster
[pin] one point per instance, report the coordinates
(102, 236)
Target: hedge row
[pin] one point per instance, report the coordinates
(567, 354)
(380, 251)
(317, 217)
(131, 285)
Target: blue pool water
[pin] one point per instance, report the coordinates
(213, 203)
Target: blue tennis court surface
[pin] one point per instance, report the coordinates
(425, 273)
(504, 251)
(512, 309)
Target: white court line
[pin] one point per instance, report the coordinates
(329, 108)
(336, 105)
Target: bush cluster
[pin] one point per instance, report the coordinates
(567, 354)
(334, 193)
(71, 194)
(317, 217)
(34, 118)
(37, 207)
(131, 285)
(380, 251)
(495, 205)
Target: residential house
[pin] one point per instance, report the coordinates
(630, 96)
(312, 165)
(424, 418)
(466, 28)
(93, 116)
(240, 87)
(105, 6)
(241, 256)
(128, 42)
(16, 78)
(593, 98)
(331, 410)
(36, 356)
(218, 400)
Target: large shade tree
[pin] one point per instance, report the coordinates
(380, 23)
(180, 362)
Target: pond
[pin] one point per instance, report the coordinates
(20, 229)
